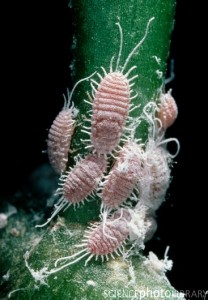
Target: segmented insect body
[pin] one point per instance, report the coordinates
(60, 134)
(168, 110)
(100, 241)
(155, 178)
(110, 111)
(79, 183)
(112, 102)
(83, 178)
(59, 140)
(122, 179)
(103, 243)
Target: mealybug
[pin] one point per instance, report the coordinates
(83, 178)
(168, 111)
(122, 179)
(155, 178)
(101, 240)
(59, 139)
(60, 134)
(111, 103)
(98, 242)
(79, 183)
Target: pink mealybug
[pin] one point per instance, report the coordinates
(60, 134)
(167, 111)
(102, 240)
(121, 181)
(79, 183)
(83, 178)
(155, 178)
(111, 104)
(59, 139)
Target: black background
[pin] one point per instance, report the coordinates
(36, 55)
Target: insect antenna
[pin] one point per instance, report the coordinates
(138, 45)
(58, 207)
(149, 116)
(121, 45)
(111, 64)
(67, 102)
(70, 257)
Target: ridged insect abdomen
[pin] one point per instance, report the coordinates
(100, 241)
(79, 183)
(168, 110)
(59, 140)
(60, 133)
(111, 101)
(123, 177)
(103, 242)
(83, 178)
(156, 178)
(110, 111)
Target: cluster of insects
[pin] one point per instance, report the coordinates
(131, 188)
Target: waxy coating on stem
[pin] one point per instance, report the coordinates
(141, 225)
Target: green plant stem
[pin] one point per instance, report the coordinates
(96, 40)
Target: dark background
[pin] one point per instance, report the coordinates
(36, 55)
